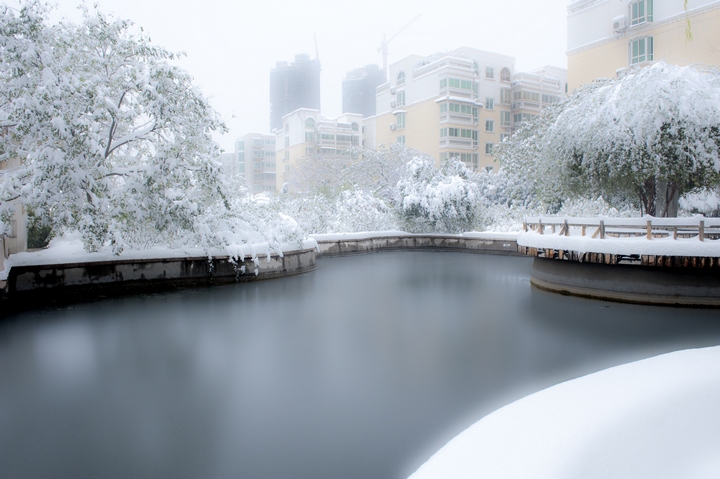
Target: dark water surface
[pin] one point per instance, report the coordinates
(361, 369)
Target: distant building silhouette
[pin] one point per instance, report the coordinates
(358, 90)
(292, 86)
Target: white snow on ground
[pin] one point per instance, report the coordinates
(626, 245)
(657, 418)
(69, 249)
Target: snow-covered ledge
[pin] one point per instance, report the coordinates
(657, 418)
(623, 237)
(66, 269)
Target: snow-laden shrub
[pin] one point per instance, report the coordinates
(351, 211)
(705, 202)
(432, 200)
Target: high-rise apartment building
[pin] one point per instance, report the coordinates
(255, 161)
(306, 133)
(358, 90)
(292, 86)
(459, 103)
(606, 36)
(532, 91)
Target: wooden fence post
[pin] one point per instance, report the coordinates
(649, 229)
(701, 230)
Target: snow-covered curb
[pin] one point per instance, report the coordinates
(657, 418)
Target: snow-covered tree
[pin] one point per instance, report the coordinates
(653, 133)
(113, 140)
(374, 172)
(444, 200)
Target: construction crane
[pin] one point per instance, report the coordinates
(384, 45)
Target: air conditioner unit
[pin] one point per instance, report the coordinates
(392, 90)
(619, 23)
(392, 104)
(393, 126)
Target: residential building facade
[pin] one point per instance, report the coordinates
(607, 36)
(308, 134)
(255, 161)
(457, 104)
(292, 86)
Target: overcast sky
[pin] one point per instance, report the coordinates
(231, 46)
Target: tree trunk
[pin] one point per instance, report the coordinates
(646, 192)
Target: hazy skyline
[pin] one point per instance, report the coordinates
(231, 48)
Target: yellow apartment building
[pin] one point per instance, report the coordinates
(606, 36)
(305, 133)
(459, 103)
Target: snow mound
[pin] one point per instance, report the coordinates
(657, 418)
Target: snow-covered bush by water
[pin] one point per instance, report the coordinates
(444, 200)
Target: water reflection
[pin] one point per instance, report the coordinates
(362, 368)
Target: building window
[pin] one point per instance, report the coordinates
(550, 98)
(270, 154)
(257, 153)
(641, 12)
(526, 96)
(400, 120)
(327, 136)
(400, 98)
(506, 96)
(489, 148)
(490, 73)
(641, 50)
(521, 117)
(505, 118)
(257, 142)
(310, 124)
(269, 141)
(489, 103)
(505, 75)
(354, 127)
(490, 125)
(401, 78)
(503, 137)
(287, 141)
(310, 136)
(401, 139)
(309, 151)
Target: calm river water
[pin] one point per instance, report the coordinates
(361, 369)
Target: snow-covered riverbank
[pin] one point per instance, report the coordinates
(657, 418)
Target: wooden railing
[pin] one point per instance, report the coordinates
(650, 227)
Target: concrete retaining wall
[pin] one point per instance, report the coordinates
(489, 245)
(629, 283)
(111, 277)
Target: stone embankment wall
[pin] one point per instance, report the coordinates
(670, 286)
(339, 246)
(116, 277)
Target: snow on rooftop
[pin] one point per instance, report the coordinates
(657, 418)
